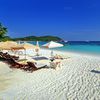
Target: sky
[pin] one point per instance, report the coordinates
(69, 19)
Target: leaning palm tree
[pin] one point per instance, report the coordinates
(3, 30)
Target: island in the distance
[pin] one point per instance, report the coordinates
(35, 38)
(5, 37)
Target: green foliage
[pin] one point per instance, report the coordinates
(5, 38)
(3, 31)
(41, 38)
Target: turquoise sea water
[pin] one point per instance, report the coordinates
(90, 48)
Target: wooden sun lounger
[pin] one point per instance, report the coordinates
(40, 58)
(59, 57)
(15, 64)
(7, 56)
(14, 57)
(34, 66)
(26, 67)
(30, 66)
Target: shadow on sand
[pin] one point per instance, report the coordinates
(95, 71)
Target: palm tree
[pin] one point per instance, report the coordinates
(3, 30)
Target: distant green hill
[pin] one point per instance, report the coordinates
(41, 38)
(4, 37)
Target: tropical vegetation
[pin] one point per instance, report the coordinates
(4, 37)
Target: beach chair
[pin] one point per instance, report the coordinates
(35, 66)
(7, 56)
(54, 65)
(58, 57)
(40, 58)
(11, 56)
(11, 61)
(15, 57)
(32, 66)
(1, 53)
(14, 64)
(62, 57)
(1, 58)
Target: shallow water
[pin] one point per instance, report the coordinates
(93, 49)
(82, 47)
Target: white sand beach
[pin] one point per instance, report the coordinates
(77, 79)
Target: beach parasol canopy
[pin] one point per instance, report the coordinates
(7, 45)
(24, 47)
(28, 46)
(52, 44)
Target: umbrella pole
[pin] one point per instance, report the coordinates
(51, 53)
(25, 54)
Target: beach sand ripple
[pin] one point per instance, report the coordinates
(77, 79)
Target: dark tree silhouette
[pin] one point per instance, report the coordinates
(3, 30)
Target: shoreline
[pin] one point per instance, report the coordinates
(74, 53)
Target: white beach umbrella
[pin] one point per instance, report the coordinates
(52, 44)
